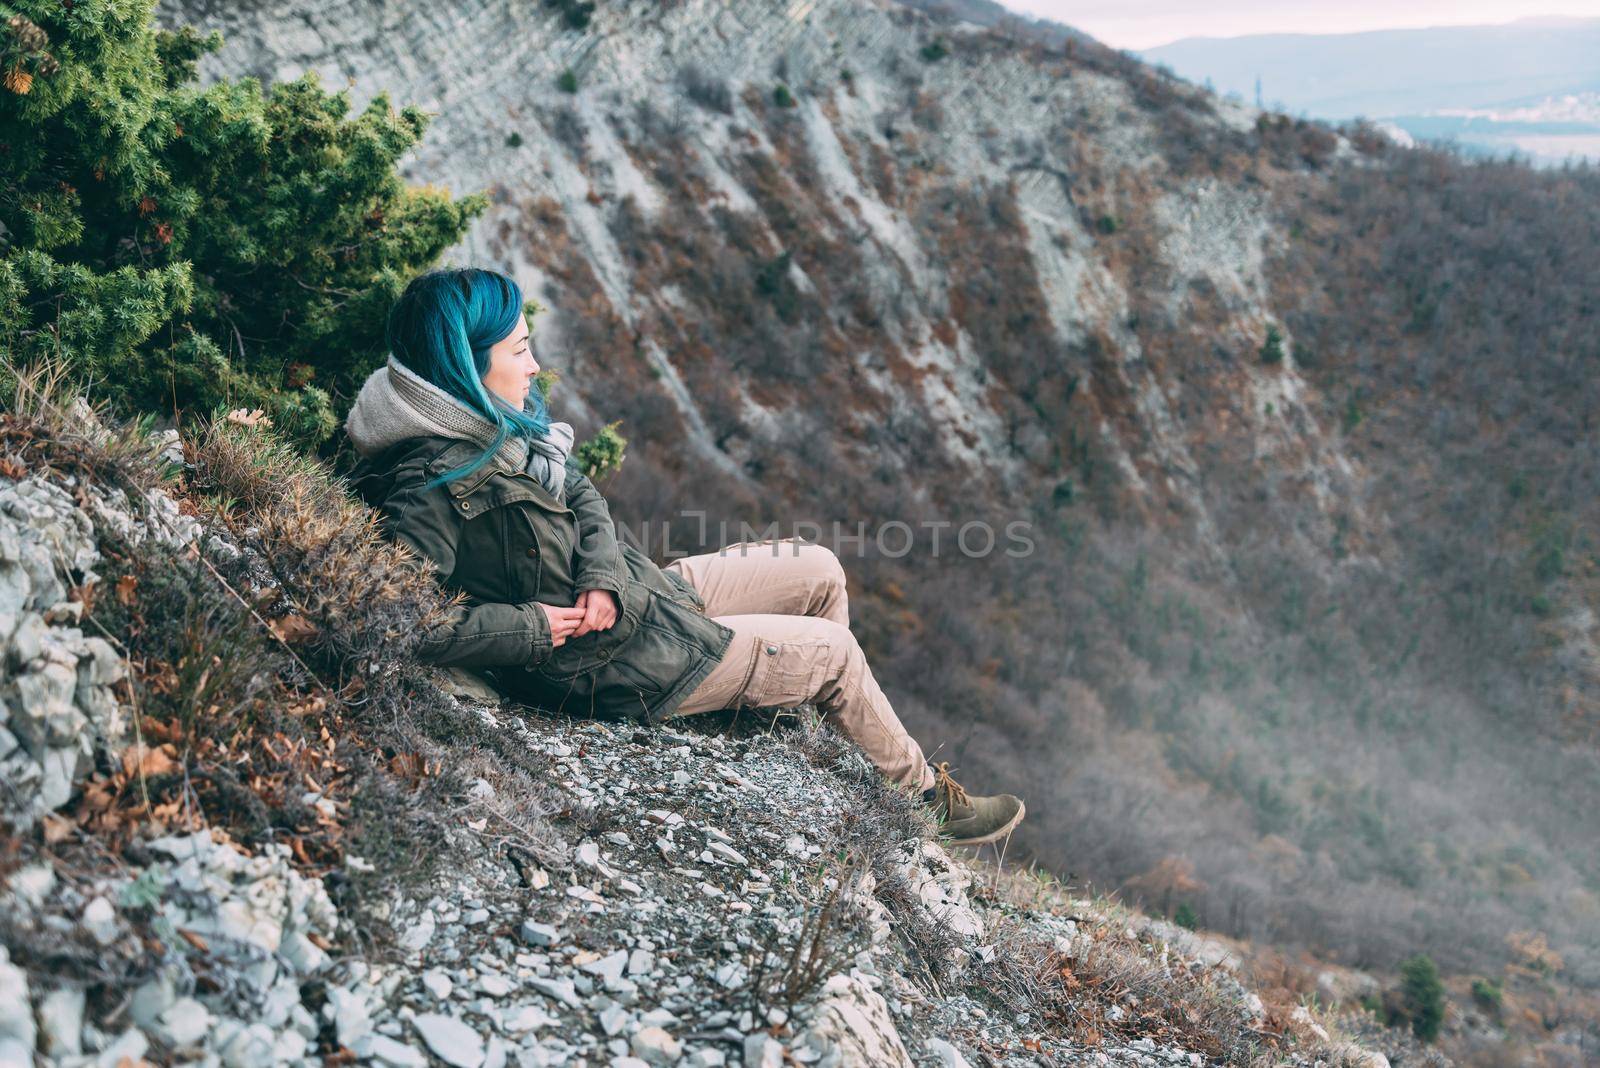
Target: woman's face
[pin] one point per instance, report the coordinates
(512, 366)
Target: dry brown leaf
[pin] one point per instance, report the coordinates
(58, 828)
(161, 731)
(140, 759)
(194, 940)
(250, 417)
(408, 765)
(293, 628)
(167, 811)
(162, 679)
(125, 588)
(84, 595)
(96, 795)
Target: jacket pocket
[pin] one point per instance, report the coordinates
(623, 678)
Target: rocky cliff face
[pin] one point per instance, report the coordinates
(673, 127)
(834, 261)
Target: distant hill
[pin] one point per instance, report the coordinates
(1420, 79)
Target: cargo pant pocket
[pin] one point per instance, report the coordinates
(788, 672)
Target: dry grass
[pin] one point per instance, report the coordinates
(787, 971)
(1110, 986)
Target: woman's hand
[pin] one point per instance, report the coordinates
(599, 609)
(564, 622)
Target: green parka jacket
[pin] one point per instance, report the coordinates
(505, 541)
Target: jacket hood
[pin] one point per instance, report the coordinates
(395, 403)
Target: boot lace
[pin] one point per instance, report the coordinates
(953, 791)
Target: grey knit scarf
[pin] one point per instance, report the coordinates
(395, 403)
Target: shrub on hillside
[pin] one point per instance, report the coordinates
(1272, 347)
(198, 247)
(1486, 992)
(709, 92)
(1423, 995)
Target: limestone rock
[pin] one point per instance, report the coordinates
(450, 1040)
(853, 1024)
(653, 1045)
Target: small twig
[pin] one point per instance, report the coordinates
(530, 841)
(324, 290)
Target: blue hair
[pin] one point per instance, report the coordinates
(442, 328)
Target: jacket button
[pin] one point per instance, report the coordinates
(772, 650)
(466, 506)
(533, 552)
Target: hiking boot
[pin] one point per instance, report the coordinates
(967, 820)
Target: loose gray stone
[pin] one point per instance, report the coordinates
(100, 920)
(762, 1051)
(494, 984)
(420, 933)
(450, 1040)
(655, 1046)
(437, 983)
(608, 967)
(561, 990)
(185, 1022)
(396, 1054)
(526, 1018)
(949, 1056)
(61, 1022)
(351, 1020)
(17, 1030)
(613, 1018)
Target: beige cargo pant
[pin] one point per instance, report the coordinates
(785, 603)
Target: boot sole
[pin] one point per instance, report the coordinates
(1011, 825)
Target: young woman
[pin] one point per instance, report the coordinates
(462, 461)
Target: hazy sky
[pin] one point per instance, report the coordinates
(1139, 24)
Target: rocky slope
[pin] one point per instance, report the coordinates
(544, 892)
